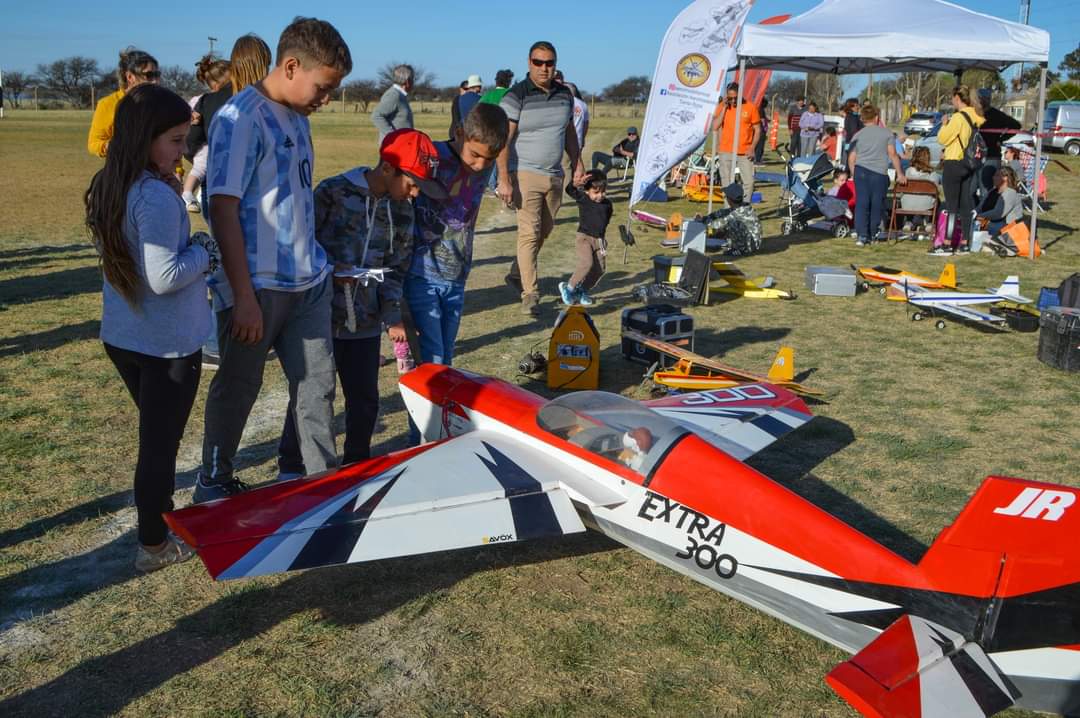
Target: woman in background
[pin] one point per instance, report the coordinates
(214, 73)
(134, 68)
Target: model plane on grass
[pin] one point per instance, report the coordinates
(736, 282)
(886, 276)
(693, 372)
(957, 304)
(989, 617)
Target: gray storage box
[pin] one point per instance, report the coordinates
(830, 281)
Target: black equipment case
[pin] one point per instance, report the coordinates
(662, 321)
(1059, 338)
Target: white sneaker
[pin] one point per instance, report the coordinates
(175, 551)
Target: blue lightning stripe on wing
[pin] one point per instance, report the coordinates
(530, 507)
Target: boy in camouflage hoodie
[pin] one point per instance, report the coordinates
(738, 223)
(364, 220)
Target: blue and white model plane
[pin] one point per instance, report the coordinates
(930, 302)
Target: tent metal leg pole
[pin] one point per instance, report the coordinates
(738, 117)
(711, 166)
(1038, 160)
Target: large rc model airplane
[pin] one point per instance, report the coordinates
(990, 616)
(958, 304)
(886, 276)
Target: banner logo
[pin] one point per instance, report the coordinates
(693, 70)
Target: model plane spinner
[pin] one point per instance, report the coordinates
(988, 618)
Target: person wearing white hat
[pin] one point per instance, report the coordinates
(464, 102)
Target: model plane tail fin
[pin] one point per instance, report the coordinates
(1010, 289)
(948, 276)
(921, 669)
(783, 366)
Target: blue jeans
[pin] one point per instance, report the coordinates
(870, 190)
(436, 307)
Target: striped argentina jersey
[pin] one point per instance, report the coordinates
(260, 152)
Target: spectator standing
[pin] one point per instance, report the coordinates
(364, 220)
(135, 68)
(795, 111)
(727, 146)
(214, 73)
(957, 178)
(1000, 123)
(852, 125)
(621, 154)
(541, 115)
(811, 123)
(276, 290)
(872, 150)
(581, 115)
(465, 102)
(594, 210)
(393, 111)
(154, 311)
(503, 80)
(445, 229)
(759, 146)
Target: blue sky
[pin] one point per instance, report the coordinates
(600, 42)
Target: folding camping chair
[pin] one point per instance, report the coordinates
(699, 164)
(626, 168)
(1028, 182)
(915, 188)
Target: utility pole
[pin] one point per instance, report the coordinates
(212, 41)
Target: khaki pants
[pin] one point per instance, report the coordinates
(746, 172)
(538, 198)
(591, 261)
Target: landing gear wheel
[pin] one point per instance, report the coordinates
(840, 230)
(864, 286)
(940, 324)
(884, 290)
(786, 228)
(916, 316)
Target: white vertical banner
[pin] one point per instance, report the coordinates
(697, 50)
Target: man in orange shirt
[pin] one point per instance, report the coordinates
(749, 132)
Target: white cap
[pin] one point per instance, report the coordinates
(474, 81)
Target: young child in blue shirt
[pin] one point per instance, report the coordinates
(442, 253)
(276, 291)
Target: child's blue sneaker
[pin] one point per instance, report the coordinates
(584, 299)
(568, 295)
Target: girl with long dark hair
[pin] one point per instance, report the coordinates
(155, 315)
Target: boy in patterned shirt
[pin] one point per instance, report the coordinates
(275, 291)
(738, 223)
(442, 254)
(364, 220)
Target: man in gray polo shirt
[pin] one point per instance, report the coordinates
(541, 114)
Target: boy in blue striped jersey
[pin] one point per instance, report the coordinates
(275, 291)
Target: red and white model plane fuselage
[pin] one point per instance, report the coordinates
(988, 618)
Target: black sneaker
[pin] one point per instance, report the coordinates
(217, 490)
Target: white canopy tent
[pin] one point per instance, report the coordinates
(845, 37)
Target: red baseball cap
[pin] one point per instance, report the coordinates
(413, 152)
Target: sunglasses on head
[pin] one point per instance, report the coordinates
(150, 74)
(542, 63)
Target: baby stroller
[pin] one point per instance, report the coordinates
(806, 197)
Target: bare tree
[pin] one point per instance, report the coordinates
(16, 82)
(631, 90)
(181, 81)
(70, 78)
(361, 93)
(423, 79)
(784, 91)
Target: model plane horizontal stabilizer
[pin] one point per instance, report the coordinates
(472, 490)
(919, 669)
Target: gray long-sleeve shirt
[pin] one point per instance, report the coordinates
(1008, 207)
(392, 113)
(171, 315)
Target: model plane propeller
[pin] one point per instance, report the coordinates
(989, 617)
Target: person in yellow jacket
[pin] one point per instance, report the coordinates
(135, 68)
(957, 180)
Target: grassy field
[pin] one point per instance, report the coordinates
(913, 420)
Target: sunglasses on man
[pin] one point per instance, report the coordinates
(542, 63)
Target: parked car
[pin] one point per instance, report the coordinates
(1063, 117)
(930, 141)
(921, 123)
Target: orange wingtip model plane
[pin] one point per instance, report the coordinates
(986, 619)
(693, 372)
(886, 276)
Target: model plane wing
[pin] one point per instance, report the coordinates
(475, 489)
(919, 669)
(741, 420)
(971, 315)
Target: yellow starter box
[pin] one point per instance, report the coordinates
(574, 351)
